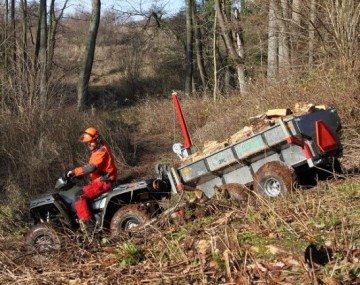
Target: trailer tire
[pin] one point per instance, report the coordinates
(43, 238)
(274, 179)
(127, 218)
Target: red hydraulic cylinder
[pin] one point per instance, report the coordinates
(184, 130)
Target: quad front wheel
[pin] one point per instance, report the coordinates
(43, 238)
(274, 179)
(128, 218)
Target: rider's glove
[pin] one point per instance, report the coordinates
(69, 174)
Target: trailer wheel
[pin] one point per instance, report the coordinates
(43, 238)
(128, 218)
(274, 179)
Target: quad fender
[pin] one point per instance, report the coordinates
(45, 208)
(122, 195)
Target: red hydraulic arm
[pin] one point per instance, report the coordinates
(184, 130)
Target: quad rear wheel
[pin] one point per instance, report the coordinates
(274, 179)
(128, 218)
(43, 238)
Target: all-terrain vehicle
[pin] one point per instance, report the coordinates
(124, 207)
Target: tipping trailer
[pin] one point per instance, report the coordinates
(268, 161)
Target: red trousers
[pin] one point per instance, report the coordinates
(90, 192)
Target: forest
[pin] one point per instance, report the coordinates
(113, 68)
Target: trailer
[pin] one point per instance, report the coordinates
(268, 162)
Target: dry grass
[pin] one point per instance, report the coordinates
(260, 242)
(37, 148)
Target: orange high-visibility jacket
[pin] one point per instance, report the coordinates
(101, 164)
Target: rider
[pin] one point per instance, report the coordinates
(101, 170)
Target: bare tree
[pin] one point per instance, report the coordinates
(239, 49)
(215, 89)
(231, 46)
(282, 17)
(53, 27)
(199, 47)
(296, 13)
(344, 19)
(13, 31)
(189, 47)
(312, 32)
(43, 52)
(272, 62)
(6, 34)
(83, 83)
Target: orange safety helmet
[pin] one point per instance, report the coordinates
(89, 135)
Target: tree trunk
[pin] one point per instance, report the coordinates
(43, 53)
(25, 30)
(83, 84)
(13, 32)
(312, 32)
(189, 47)
(52, 31)
(284, 50)
(37, 42)
(272, 62)
(215, 90)
(24, 64)
(199, 48)
(296, 16)
(240, 51)
(295, 28)
(6, 50)
(232, 49)
(53, 24)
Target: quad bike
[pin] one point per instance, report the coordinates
(123, 208)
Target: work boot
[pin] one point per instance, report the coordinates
(88, 229)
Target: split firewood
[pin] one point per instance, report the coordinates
(278, 113)
(258, 124)
(243, 133)
(320, 107)
(212, 146)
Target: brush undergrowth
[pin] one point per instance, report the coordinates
(36, 148)
(258, 241)
(263, 240)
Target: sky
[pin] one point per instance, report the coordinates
(170, 6)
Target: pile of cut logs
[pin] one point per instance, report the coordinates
(257, 124)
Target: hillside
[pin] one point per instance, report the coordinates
(218, 242)
(258, 242)
(228, 63)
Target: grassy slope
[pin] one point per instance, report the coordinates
(260, 241)
(257, 242)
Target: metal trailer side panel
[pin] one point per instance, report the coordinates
(238, 174)
(221, 159)
(293, 155)
(274, 136)
(209, 186)
(193, 170)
